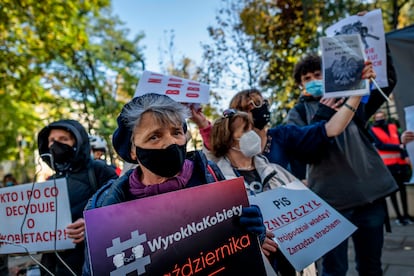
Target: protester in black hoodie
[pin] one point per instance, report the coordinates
(64, 146)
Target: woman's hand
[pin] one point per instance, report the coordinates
(76, 230)
(269, 245)
(197, 116)
(368, 71)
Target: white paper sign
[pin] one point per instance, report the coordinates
(409, 122)
(31, 223)
(342, 64)
(371, 29)
(179, 89)
(305, 226)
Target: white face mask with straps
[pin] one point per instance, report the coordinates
(250, 144)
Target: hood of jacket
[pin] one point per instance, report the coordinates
(82, 152)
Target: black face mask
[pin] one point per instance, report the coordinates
(163, 162)
(380, 122)
(261, 116)
(61, 153)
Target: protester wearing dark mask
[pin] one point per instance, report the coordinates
(64, 146)
(379, 122)
(392, 151)
(151, 133)
(281, 143)
(260, 114)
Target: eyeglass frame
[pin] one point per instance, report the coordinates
(264, 101)
(229, 113)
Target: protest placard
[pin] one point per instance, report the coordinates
(305, 226)
(371, 29)
(35, 216)
(186, 232)
(179, 89)
(409, 122)
(343, 60)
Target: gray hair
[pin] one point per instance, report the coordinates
(165, 110)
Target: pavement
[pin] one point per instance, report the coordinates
(397, 254)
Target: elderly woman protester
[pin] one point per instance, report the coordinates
(152, 133)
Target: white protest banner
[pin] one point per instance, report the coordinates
(28, 214)
(179, 89)
(305, 226)
(371, 29)
(343, 60)
(409, 122)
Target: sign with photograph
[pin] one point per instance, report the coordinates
(179, 89)
(35, 216)
(305, 226)
(370, 27)
(343, 60)
(187, 232)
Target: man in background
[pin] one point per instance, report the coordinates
(64, 146)
(393, 153)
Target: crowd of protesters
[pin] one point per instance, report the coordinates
(324, 143)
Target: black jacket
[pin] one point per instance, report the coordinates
(80, 188)
(84, 176)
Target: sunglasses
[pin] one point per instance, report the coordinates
(228, 113)
(259, 103)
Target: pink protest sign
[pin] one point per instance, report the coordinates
(190, 231)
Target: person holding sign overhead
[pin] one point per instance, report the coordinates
(64, 146)
(237, 149)
(281, 143)
(349, 174)
(152, 133)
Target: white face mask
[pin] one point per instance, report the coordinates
(250, 143)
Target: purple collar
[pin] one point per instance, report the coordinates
(139, 190)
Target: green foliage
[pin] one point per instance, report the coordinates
(61, 59)
(186, 68)
(278, 34)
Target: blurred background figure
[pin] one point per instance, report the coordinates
(98, 147)
(9, 180)
(392, 151)
(98, 151)
(64, 146)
